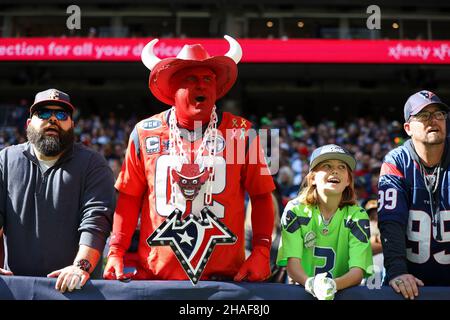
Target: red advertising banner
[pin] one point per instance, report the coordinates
(254, 50)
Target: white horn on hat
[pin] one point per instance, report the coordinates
(235, 51)
(148, 57)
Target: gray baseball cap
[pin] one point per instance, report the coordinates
(52, 97)
(331, 152)
(420, 100)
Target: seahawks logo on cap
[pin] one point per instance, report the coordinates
(334, 149)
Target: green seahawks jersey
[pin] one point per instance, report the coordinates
(334, 248)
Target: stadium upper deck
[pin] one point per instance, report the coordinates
(314, 89)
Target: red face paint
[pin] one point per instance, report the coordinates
(195, 95)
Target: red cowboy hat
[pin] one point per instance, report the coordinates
(224, 67)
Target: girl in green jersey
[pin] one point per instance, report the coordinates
(325, 234)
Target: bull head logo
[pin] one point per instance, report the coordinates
(190, 179)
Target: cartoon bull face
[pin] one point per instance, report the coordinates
(190, 179)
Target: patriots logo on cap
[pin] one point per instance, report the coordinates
(192, 239)
(54, 95)
(427, 94)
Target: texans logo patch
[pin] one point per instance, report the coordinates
(192, 239)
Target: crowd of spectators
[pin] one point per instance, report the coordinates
(368, 139)
(108, 135)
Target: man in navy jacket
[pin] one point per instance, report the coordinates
(56, 199)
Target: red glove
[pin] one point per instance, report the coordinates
(256, 267)
(114, 267)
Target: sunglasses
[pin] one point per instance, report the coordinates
(46, 114)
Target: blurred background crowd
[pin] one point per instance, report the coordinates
(366, 138)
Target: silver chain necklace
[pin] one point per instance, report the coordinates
(431, 180)
(326, 223)
(432, 184)
(176, 150)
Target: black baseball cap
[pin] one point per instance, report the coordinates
(331, 152)
(52, 97)
(419, 101)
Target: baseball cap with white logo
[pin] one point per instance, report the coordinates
(52, 97)
(331, 152)
(419, 101)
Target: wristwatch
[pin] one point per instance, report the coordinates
(83, 264)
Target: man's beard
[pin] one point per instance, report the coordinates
(50, 146)
(434, 140)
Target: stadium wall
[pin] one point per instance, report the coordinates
(34, 288)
